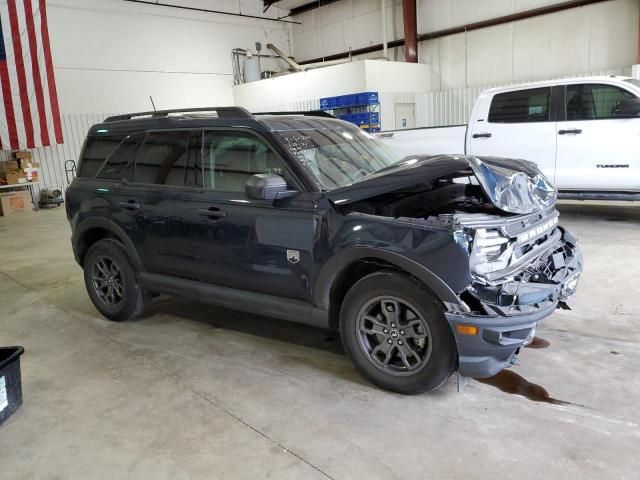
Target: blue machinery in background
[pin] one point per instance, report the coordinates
(361, 109)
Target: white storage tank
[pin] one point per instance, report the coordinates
(251, 68)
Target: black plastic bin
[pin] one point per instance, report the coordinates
(10, 381)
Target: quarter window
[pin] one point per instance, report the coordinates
(593, 101)
(116, 164)
(522, 106)
(162, 159)
(96, 150)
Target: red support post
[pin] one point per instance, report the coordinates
(410, 31)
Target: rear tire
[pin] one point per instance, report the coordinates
(112, 281)
(396, 335)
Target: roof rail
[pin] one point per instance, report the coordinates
(306, 113)
(223, 112)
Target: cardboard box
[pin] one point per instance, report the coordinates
(14, 177)
(23, 155)
(15, 203)
(9, 165)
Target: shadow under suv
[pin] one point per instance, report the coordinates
(424, 264)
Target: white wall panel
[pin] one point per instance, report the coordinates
(111, 55)
(596, 37)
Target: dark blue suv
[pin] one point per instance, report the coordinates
(424, 264)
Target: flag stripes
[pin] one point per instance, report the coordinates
(29, 110)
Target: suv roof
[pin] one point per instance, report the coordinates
(193, 118)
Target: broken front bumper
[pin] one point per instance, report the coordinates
(511, 315)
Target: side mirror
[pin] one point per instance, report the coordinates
(627, 107)
(267, 186)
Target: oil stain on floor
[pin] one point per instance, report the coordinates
(538, 343)
(510, 382)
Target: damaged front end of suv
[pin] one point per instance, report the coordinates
(519, 264)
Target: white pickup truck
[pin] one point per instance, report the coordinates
(584, 134)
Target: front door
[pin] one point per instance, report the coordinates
(234, 241)
(596, 150)
(521, 125)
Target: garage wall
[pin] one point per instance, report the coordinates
(593, 38)
(110, 55)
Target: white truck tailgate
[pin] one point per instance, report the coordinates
(426, 141)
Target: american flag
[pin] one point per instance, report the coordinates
(29, 111)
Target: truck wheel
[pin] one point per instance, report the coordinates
(396, 335)
(112, 282)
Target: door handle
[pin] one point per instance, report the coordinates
(130, 205)
(576, 131)
(212, 212)
(481, 135)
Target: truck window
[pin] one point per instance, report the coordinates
(522, 106)
(96, 151)
(228, 159)
(162, 159)
(114, 167)
(593, 101)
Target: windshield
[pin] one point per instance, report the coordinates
(633, 82)
(337, 153)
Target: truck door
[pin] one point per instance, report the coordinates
(596, 149)
(515, 124)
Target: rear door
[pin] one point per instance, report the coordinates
(234, 241)
(519, 124)
(596, 150)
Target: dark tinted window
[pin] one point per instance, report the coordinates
(162, 159)
(115, 165)
(521, 107)
(593, 101)
(228, 159)
(96, 150)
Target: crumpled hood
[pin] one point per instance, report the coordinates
(514, 186)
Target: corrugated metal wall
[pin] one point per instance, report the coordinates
(52, 159)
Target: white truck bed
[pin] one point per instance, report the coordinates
(435, 140)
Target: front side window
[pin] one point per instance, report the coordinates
(229, 159)
(593, 101)
(115, 165)
(162, 159)
(522, 106)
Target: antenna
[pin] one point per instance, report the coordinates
(153, 104)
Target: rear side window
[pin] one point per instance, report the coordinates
(96, 151)
(593, 101)
(116, 163)
(522, 106)
(162, 159)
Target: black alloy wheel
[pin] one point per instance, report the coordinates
(107, 281)
(393, 334)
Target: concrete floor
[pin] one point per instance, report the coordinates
(192, 391)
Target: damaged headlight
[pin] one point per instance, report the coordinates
(491, 251)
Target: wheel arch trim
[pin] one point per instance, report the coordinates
(115, 229)
(337, 264)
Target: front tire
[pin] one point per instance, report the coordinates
(112, 281)
(396, 335)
